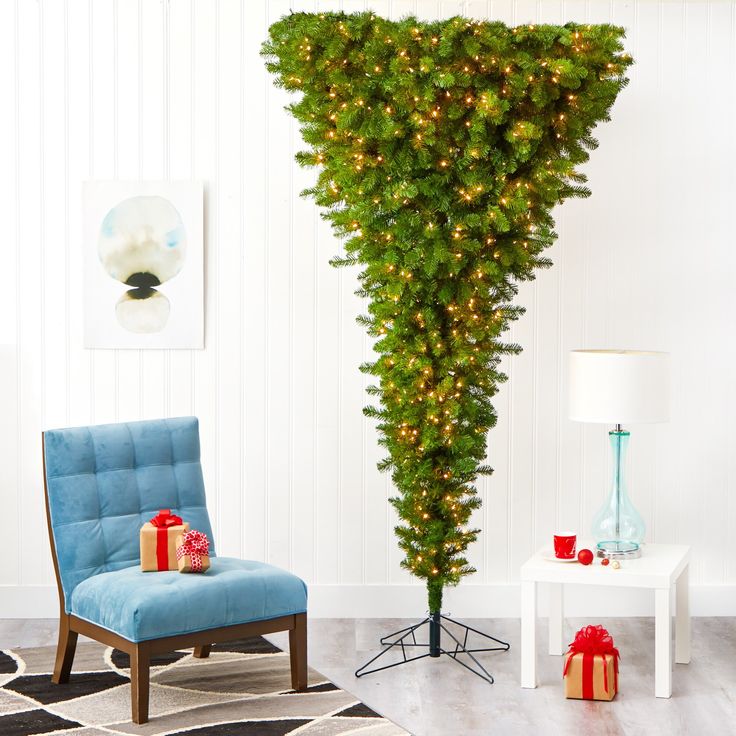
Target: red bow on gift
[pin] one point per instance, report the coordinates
(196, 545)
(165, 519)
(590, 641)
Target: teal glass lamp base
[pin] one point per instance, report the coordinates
(617, 550)
(618, 527)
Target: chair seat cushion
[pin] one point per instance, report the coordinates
(149, 605)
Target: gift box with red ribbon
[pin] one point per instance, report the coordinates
(192, 551)
(591, 665)
(158, 541)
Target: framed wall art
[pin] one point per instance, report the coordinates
(143, 260)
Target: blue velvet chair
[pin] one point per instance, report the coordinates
(102, 484)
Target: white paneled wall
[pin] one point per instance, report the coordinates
(175, 89)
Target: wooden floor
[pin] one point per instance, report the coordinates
(441, 698)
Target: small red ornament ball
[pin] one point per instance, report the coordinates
(585, 557)
(605, 561)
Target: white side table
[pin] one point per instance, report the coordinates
(660, 567)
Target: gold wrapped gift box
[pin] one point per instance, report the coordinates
(594, 679)
(158, 546)
(185, 561)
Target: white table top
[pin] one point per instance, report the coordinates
(658, 567)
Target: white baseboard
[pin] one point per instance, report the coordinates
(502, 601)
(409, 601)
(29, 601)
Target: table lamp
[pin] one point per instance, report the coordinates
(619, 387)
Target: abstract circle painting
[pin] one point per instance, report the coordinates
(143, 264)
(142, 243)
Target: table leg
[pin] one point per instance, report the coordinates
(528, 634)
(662, 643)
(556, 617)
(682, 618)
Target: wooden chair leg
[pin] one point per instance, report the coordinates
(298, 652)
(64, 651)
(140, 660)
(203, 651)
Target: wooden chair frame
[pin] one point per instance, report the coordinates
(141, 652)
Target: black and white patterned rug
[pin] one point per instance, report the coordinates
(243, 688)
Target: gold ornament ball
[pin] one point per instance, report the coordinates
(615, 564)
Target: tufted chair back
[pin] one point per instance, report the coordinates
(103, 483)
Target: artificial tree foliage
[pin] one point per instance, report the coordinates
(442, 149)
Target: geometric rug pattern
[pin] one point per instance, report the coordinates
(242, 689)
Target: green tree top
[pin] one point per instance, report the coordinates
(442, 149)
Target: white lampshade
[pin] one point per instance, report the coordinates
(619, 386)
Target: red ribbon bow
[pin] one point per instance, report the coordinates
(591, 641)
(196, 545)
(166, 519)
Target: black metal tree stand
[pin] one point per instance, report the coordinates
(405, 641)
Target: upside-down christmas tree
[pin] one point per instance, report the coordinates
(442, 149)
